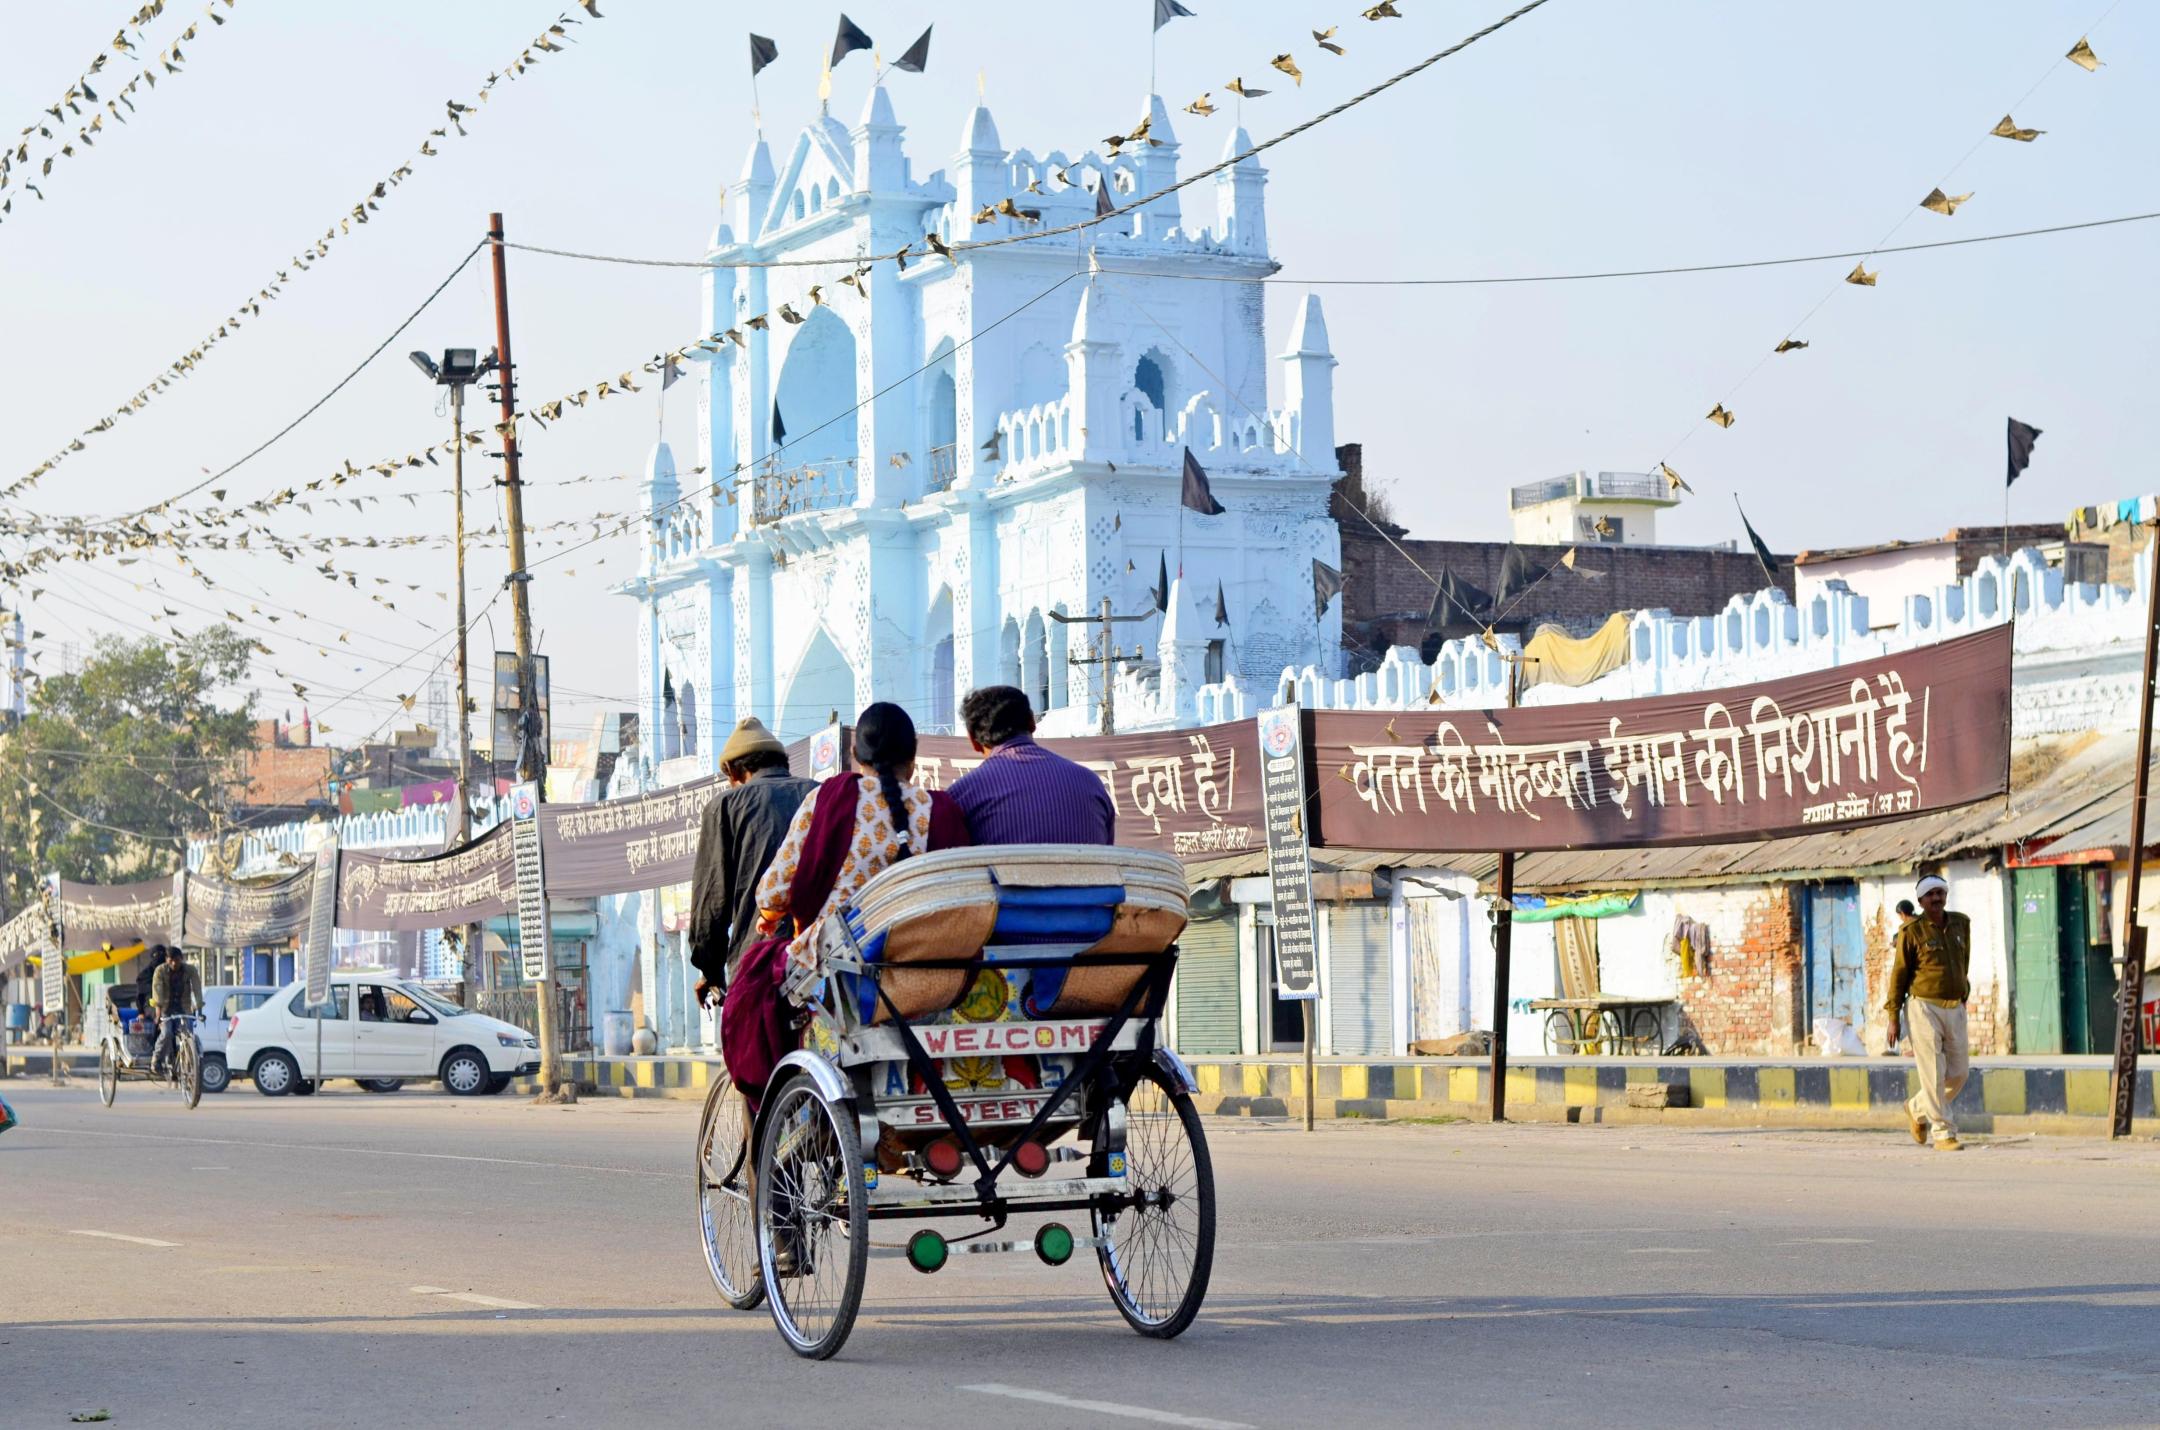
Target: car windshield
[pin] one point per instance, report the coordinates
(437, 1005)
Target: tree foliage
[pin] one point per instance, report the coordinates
(122, 759)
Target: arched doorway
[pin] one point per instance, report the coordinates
(822, 682)
(939, 699)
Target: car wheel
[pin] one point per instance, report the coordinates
(500, 1082)
(216, 1077)
(275, 1074)
(465, 1073)
(381, 1084)
(305, 1087)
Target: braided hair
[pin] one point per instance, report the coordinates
(884, 741)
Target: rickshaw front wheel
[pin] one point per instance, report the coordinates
(813, 1217)
(727, 1227)
(108, 1074)
(1158, 1251)
(187, 1069)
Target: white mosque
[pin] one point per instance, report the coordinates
(902, 484)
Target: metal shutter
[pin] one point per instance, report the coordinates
(1360, 989)
(1207, 984)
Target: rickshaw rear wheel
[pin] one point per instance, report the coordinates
(187, 1069)
(108, 1074)
(1157, 1255)
(813, 1216)
(727, 1226)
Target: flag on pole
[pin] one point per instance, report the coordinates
(2022, 437)
(1161, 590)
(1762, 549)
(779, 428)
(1168, 10)
(917, 58)
(1196, 495)
(1222, 608)
(1326, 586)
(847, 40)
(762, 53)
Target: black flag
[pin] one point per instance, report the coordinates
(847, 40)
(1517, 575)
(1458, 607)
(2022, 437)
(1222, 609)
(1196, 496)
(1161, 590)
(1762, 551)
(1103, 206)
(1326, 586)
(762, 53)
(779, 428)
(917, 57)
(1168, 10)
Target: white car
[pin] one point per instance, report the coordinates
(381, 1031)
(221, 1003)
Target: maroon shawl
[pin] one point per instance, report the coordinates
(754, 1029)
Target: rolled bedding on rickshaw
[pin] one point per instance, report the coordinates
(956, 903)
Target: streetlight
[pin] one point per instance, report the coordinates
(459, 369)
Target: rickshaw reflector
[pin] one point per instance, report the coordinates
(1030, 1159)
(926, 1251)
(943, 1158)
(1054, 1243)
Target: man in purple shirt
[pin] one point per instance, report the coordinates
(1021, 793)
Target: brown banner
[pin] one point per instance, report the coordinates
(225, 915)
(382, 892)
(95, 915)
(28, 932)
(622, 844)
(1855, 744)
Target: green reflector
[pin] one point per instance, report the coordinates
(1054, 1244)
(926, 1250)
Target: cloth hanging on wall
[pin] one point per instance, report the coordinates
(1553, 657)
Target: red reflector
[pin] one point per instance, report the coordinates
(1030, 1159)
(943, 1158)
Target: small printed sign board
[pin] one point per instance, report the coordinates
(532, 910)
(319, 944)
(1282, 798)
(825, 753)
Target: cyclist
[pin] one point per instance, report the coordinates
(175, 992)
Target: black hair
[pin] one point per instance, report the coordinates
(997, 713)
(885, 740)
(173, 951)
(750, 764)
(1905, 908)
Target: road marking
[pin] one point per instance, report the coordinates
(363, 1152)
(1668, 1251)
(492, 1302)
(122, 1236)
(210, 1169)
(1108, 1407)
(1829, 1241)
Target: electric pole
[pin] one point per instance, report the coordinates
(1105, 654)
(532, 760)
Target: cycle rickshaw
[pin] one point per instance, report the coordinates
(980, 1042)
(127, 1041)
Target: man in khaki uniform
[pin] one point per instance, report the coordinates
(1927, 978)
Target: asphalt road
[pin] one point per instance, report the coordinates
(352, 1260)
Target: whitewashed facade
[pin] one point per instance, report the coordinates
(897, 492)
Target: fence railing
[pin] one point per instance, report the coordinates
(814, 486)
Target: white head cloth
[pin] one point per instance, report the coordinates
(1931, 882)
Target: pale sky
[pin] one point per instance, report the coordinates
(1590, 135)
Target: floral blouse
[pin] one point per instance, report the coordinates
(876, 846)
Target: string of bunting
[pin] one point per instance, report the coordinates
(117, 103)
(553, 40)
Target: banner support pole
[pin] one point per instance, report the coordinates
(2122, 1087)
(1503, 936)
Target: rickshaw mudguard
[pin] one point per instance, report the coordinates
(1173, 1067)
(832, 1085)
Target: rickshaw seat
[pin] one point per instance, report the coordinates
(969, 903)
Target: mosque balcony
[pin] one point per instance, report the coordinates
(790, 491)
(943, 467)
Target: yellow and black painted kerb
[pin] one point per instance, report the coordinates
(1823, 1093)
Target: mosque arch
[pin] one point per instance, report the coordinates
(822, 681)
(939, 696)
(1009, 653)
(1060, 666)
(1035, 659)
(817, 384)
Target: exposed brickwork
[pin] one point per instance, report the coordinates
(1387, 599)
(1748, 1002)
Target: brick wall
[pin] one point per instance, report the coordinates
(1387, 600)
(1748, 1002)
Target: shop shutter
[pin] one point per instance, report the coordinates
(1207, 984)
(1360, 986)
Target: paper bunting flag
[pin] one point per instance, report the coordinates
(1673, 480)
(1719, 415)
(1289, 67)
(2081, 54)
(1325, 39)
(1860, 277)
(1789, 345)
(2008, 129)
(1385, 10)
(1945, 204)
(1201, 106)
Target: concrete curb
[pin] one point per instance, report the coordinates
(2023, 1098)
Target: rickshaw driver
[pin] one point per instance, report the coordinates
(175, 991)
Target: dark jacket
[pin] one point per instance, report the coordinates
(737, 837)
(176, 989)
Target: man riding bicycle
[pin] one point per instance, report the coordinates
(175, 992)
